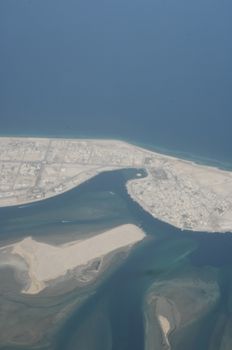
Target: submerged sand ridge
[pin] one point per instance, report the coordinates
(179, 192)
(47, 262)
(177, 304)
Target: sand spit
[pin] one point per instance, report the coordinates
(165, 325)
(173, 306)
(48, 262)
(180, 192)
(168, 317)
(163, 318)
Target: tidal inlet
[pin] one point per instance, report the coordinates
(109, 246)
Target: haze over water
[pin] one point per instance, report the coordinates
(154, 72)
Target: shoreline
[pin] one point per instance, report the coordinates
(180, 192)
(153, 150)
(182, 155)
(146, 209)
(47, 263)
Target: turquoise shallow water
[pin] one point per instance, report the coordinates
(113, 317)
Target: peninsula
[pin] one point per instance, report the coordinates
(81, 259)
(180, 192)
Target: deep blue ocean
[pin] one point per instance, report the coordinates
(156, 72)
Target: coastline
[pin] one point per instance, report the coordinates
(224, 165)
(180, 192)
(47, 263)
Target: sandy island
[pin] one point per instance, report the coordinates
(46, 262)
(180, 192)
(176, 304)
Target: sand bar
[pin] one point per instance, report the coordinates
(180, 192)
(47, 262)
(173, 306)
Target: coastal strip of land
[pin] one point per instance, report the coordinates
(180, 192)
(45, 262)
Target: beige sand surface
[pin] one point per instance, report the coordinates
(48, 262)
(168, 316)
(165, 325)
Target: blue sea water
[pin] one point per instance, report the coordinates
(116, 308)
(153, 72)
(157, 73)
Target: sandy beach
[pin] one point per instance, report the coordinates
(47, 262)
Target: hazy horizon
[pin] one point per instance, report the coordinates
(152, 72)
